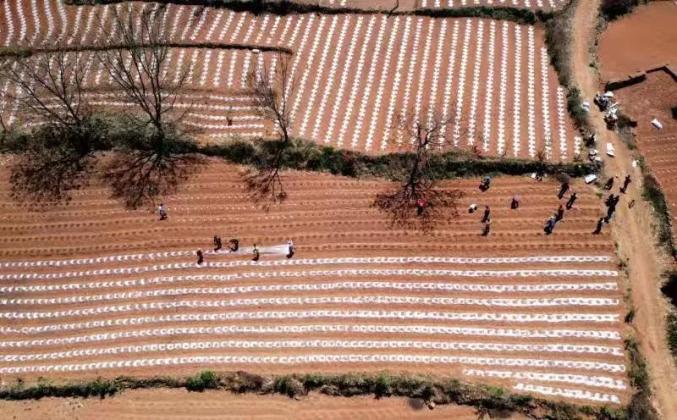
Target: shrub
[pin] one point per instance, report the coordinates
(613, 9)
(382, 385)
(288, 385)
(204, 380)
(654, 195)
(638, 373)
(672, 332)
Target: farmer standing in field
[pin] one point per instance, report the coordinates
(218, 244)
(200, 257)
(598, 229)
(560, 213)
(163, 211)
(290, 248)
(256, 253)
(563, 190)
(487, 214)
(550, 225)
(515, 203)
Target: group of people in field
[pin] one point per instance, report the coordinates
(611, 202)
(233, 244)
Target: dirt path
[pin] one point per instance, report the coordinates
(634, 231)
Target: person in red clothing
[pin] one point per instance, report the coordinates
(421, 205)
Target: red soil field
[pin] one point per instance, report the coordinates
(127, 297)
(354, 74)
(179, 404)
(654, 98)
(640, 41)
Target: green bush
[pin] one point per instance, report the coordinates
(204, 380)
(308, 156)
(654, 195)
(286, 7)
(672, 332)
(613, 9)
(638, 373)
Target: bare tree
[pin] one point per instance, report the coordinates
(59, 153)
(50, 88)
(156, 155)
(418, 201)
(135, 55)
(271, 89)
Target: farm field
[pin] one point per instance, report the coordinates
(179, 404)
(640, 41)
(653, 98)
(353, 73)
(545, 5)
(92, 289)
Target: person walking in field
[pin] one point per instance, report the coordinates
(598, 229)
(515, 203)
(421, 205)
(200, 257)
(610, 201)
(217, 243)
(560, 213)
(571, 201)
(487, 214)
(563, 190)
(485, 184)
(550, 225)
(290, 248)
(626, 182)
(162, 210)
(256, 253)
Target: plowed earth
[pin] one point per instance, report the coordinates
(93, 289)
(175, 404)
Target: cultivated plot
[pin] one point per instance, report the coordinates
(354, 74)
(93, 289)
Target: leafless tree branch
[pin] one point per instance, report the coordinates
(417, 201)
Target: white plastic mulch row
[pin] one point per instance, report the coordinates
(320, 358)
(288, 329)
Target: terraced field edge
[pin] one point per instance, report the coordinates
(485, 398)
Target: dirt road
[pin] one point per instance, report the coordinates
(632, 227)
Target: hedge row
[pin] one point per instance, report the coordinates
(613, 9)
(653, 194)
(307, 156)
(284, 7)
(487, 399)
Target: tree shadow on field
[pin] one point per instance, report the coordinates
(49, 177)
(139, 177)
(52, 163)
(264, 181)
(416, 403)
